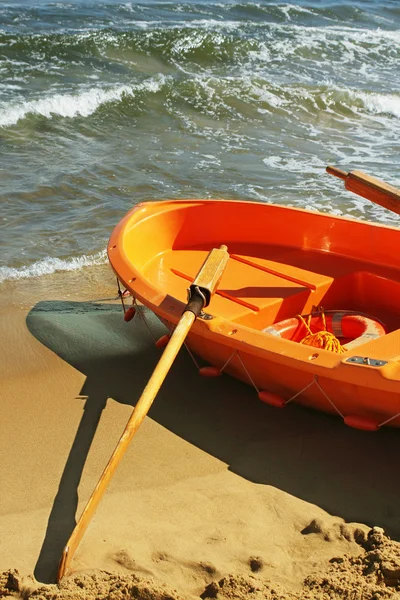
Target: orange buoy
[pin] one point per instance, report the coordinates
(163, 341)
(350, 327)
(363, 423)
(272, 399)
(129, 314)
(209, 372)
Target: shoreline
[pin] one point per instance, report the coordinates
(213, 480)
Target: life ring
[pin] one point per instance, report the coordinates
(351, 328)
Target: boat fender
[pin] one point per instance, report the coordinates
(163, 341)
(363, 423)
(272, 399)
(129, 314)
(209, 372)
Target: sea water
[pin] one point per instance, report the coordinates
(104, 104)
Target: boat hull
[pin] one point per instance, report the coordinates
(304, 259)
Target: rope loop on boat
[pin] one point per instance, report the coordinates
(143, 318)
(121, 295)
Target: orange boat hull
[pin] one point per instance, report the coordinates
(283, 262)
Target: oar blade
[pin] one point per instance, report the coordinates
(368, 187)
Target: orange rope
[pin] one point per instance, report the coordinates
(321, 339)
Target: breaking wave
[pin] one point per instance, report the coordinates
(216, 97)
(107, 103)
(82, 104)
(47, 266)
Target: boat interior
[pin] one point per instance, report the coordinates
(270, 284)
(282, 262)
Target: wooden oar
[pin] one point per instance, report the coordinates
(369, 187)
(200, 293)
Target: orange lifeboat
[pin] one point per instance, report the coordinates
(283, 262)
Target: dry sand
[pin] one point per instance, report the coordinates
(218, 495)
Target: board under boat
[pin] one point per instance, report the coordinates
(284, 262)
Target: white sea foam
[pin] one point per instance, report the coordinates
(379, 104)
(82, 104)
(358, 101)
(346, 44)
(49, 265)
(288, 8)
(296, 165)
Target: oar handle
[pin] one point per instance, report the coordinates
(369, 187)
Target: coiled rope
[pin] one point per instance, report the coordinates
(321, 339)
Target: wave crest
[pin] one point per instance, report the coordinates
(82, 104)
(49, 265)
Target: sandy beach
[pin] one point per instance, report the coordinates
(218, 495)
(107, 104)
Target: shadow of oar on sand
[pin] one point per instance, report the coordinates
(312, 456)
